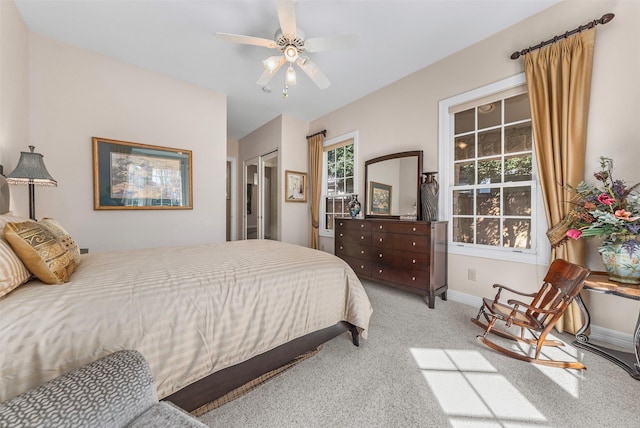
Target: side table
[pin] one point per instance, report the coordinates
(599, 282)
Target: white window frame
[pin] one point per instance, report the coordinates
(540, 251)
(323, 230)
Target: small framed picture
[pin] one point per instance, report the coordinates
(295, 186)
(379, 198)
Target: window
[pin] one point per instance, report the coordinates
(339, 180)
(491, 191)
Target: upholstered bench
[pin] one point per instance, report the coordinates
(115, 391)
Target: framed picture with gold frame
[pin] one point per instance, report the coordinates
(295, 186)
(379, 198)
(134, 176)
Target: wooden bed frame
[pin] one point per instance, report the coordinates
(224, 381)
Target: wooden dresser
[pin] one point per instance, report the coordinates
(411, 255)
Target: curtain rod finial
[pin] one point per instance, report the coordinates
(515, 55)
(607, 17)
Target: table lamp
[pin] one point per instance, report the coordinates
(31, 171)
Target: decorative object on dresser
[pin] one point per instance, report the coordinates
(411, 255)
(31, 170)
(354, 206)
(429, 196)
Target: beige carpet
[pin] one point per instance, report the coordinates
(423, 367)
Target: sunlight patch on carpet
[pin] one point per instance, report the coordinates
(470, 390)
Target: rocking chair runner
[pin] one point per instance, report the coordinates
(561, 285)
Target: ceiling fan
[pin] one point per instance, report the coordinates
(291, 42)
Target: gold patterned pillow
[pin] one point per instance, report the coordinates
(63, 236)
(44, 255)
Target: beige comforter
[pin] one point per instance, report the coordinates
(190, 311)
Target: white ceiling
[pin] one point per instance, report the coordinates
(176, 38)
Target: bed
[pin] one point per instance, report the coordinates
(208, 318)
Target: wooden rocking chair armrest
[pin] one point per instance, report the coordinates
(533, 308)
(504, 287)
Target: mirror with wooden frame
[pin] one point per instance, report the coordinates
(392, 185)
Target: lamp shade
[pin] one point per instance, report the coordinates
(31, 170)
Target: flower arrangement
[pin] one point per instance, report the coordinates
(610, 210)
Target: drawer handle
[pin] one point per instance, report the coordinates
(362, 237)
(413, 261)
(340, 223)
(380, 239)
(361, 266)
(413, 243)
(414, 229)
(361, 226)
(341, 235)
(380, 227)
(413, 278)
(380, 271)
(341, 247)
(380, 255)
(361, 251)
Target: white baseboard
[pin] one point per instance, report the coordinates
(599, 334)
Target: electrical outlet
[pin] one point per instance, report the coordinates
(471, 274)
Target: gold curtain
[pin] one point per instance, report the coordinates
(316, 143)
(559, 84)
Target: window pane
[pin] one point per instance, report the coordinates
(518, 168)
(516, 108)
(489, 143)
(349, 185)
(465, 147)
(464, 121)
(517, 233)
(340, 190)
(339, 153)
(488, 231)
(517, 201)
(489, 171)
(463, 202)
(464, 173)
(517, 138)
(463, 230)
(330, 220)
(340, 169)
(489, 115)
(331, 156)
(488, 201)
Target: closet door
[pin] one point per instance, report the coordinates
(261, 197)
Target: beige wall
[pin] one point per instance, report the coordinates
(14, 93)
(57, 97)
(404, 116)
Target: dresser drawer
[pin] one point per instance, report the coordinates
(393, 241)
(346, 248)
(352, 225)
(358, 237)
(410, 278)
(399, 258)
(405, 228)
(359, 266)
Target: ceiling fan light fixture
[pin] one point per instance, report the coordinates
(270, 63)
(290, 53)
(290, 78)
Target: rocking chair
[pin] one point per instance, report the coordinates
(561, 285)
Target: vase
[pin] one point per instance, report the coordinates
(622, 260)
(354, 206)
(429, 196)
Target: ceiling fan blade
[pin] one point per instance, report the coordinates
(245, 40)
(314, 73)
(346, 41)
(287, 16)
(267, 75)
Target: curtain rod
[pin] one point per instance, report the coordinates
(607, 17)
(323, 132)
